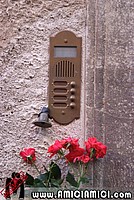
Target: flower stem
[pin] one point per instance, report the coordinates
(36, 168)
(82, 170)
(38, 172)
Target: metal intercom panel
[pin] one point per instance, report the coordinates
(65, 77)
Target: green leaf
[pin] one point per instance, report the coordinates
(60, 152)
(92, 152)
(29, 180)
(55, 171)
(38, 183)
(84, 180)
(43, 177)
(56, 183)
(70, 179)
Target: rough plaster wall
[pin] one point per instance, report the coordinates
(25, 28)
(110, 114)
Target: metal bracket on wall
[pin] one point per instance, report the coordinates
(43, 120)
(65, 77)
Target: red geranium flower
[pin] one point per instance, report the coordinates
(70, 143)
(97, 149)
(28, 155)
(84, 158)
(100, 150)
(90, 143)
(55, 148)
(74, 154)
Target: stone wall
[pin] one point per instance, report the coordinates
(109, 113)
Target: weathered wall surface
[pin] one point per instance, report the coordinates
(118, 97)
(110, 114)
(25, 29)
(107, 77)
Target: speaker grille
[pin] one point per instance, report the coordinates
(64, 69)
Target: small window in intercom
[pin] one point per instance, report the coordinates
(65, 52)
(65, 77)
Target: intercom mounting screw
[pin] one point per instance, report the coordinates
(63, 113)
(65, 40)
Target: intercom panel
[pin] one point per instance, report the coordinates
(65, 77)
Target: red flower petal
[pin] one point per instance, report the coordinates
(100, 149)
(74, 154)
(28, 155)
(53, 149)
